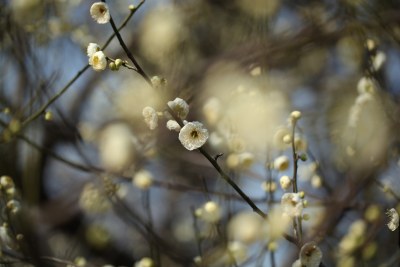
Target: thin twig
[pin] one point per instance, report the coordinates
(128, 53)
(43, 108)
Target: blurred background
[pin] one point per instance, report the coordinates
(92, 185)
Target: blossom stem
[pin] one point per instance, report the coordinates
(223, 175)
(43, 108)
(297, 224)
(128, 53)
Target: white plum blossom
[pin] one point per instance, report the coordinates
(142, 179)
(378, 60)
(100, 12)
(193, 135)
(285, 182)
(210, 212)
(292, 204)
(98, 61)
(180, 107)
(172, 125)
(393, 215)
(150, 117)
(310, 255)
(92, 48)
(281, 163)
(144, 262)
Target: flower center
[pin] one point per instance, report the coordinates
(102, 10)
(95, 59)
(194, 134)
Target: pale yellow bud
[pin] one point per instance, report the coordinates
(48, 116)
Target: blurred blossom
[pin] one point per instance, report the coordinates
(268, 186)
(393, 223)
(93, 200)
(183, 229)
(292, 204)
(285, 182)
(366, 85)
(259, 8)
(150, 117)
(116, 145)
(133, 95)
(276, 225)
(210, 212)
(279, 136)
(161, 24)
(354, 238)
(300, 143)
(361, 130)
(142, 179)
(350, 52)
(145, 262)
(212, 110)
(249, 111)
(27, 11)
(378, 60)
(305, 171)
(245, 227)
(97, 236)
(281, 163)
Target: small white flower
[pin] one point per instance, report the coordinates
(268, 186)
(92, 48)
(212, 110)
(237, 250)
(310, 255)
(193, 135)
(210, 212)
(295, 115)
(278, 139)
(158, 82)
(292, 204)
(366, 85)
(100, 12)
(393, 224)
(180, 107)
(297, 263)
(285, 182)
(143, 179)
(172, 125)
(150, 117)
(145, 262)
(98, 61)
(378, 60)
(246, 160)
(281, 163)
(300, 143)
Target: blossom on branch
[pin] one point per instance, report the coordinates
(193, 135)
(100, 12)
(393, 224)
(180, 107)
(98, 61)
(150, 117)
(92, 48)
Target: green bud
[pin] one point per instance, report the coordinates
(112, 66)
(303, 157)
(118, 62)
